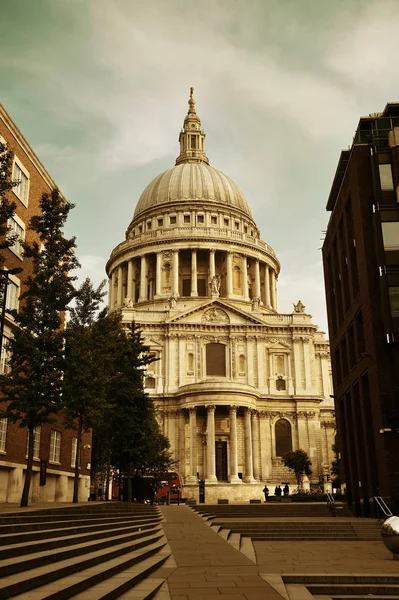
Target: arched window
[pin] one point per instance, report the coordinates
(216, 360)
(283, 436)
(241, 364)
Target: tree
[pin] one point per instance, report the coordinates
(137, 445)
(33, 387)
(7, 207)
(299, 463)
(335, 463)
(85, 377)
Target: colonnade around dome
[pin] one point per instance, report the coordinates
(194, 272)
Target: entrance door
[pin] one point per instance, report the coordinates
(221, 460)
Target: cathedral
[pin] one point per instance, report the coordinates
(237, 384)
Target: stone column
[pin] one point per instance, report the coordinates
(110, 291)
(129, 291)
(192, 478)
(175, 273)
(276, 293)
(210, 445)
(249, 476)
(194, 290)
(143, 279)
(273, 288)
(255, 444)
(158, 275)
(233, 446)
(245, 278)
(306, 363)
(120, 286)
(267, 286)
(324, 374)
(257, 280)
(229, 274)
(182, 443)
(211, 264)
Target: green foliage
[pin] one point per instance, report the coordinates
(7, 207)
(33, 388)
(299, 463)
(84, 376)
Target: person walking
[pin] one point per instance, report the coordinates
(266, 492)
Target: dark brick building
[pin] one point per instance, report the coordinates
(361, 269)
(55, 447)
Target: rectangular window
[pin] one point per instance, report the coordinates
(3, 434)
(201, 287)
(237, 225)
(386, 177)
(16, 227)
(390, 235)
(394, 300)
(200, 218)
(73, 452)
(226, 222)
(55, 446)
(36, 443)
(214, 220)
(172, 220)
(149, 225)
(22, 188)
(186, 218)
(12, 296)
(5, 356)
(160, 222)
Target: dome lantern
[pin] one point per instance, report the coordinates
(192, 137)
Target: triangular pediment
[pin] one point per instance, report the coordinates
(215, 312)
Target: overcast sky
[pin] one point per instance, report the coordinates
(99, 88)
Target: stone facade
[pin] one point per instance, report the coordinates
(236, 382)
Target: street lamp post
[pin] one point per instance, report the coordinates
(5, 274)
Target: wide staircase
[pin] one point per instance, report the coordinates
(343, 587)
(98, 551)
(278, 523)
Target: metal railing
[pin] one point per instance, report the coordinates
(381, 506)
(331, 503)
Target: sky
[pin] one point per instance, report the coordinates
(99, 89)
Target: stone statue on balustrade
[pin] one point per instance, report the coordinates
(128, 302)
(215, 285)
(299, 307)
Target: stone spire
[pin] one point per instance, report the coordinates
(192, 137)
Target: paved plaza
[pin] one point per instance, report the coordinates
(204, 561)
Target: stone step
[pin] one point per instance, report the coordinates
(342, 579)
(235, 540)
(20, 583)
(50, 544)
(224, 533)
(16, 565)
(371, 589)
(38, 518)
(83, 584)
(15, 528)
(65, 531)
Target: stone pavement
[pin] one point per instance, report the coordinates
(208, 567)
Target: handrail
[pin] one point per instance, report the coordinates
(382, 506)
(331, 503)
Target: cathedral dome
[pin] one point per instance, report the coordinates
(193, 181)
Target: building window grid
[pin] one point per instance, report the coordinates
(5, 356)
(3, 434)
(55, 446)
